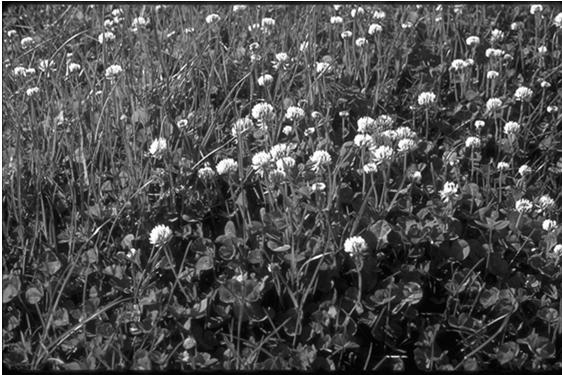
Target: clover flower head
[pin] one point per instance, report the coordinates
(318, 186)
(139, 22)
(370, 167)
(366, 124)
(336, 20)
(46, 65)
(227, 166)
(545, 84)
(158, 147)
(384, 122)
(404, 132)
(285, 163)
(511, 127)
(287, 130)
(294, 113)
(494, 52)
(206, 173)
(497, 35)
(265, 80)
(160, 235)
(472, 142)
(20, 71)
(535, 8)
(379, 15)
(30, 71)
(355, 245)
(239, 8)
(458, 65)
(525, 170)
(523, 205)
(363, 140)
(492, 74)
(361, 42)
(346, 34)
(319, 159)
(279, 151)
(472, 41)
(382, 153)
(107, 36)
(502, 166)
(552, 109)
(406, 145)
(277, 176)
(113, 71)
(426, 99)
(241, 126)
(449, 191)
(557, 249)
(27, 42)
(74, 67)
(357, 12)
(263, 112)
(479, 124)
(32, 91)
(212, 18)
(546, 203)
(542, 50)
(11, 33)
(374, 28)
(523, 94)
(268, 22)
(557, 21)
(309, 131)
(323, 67)
(261, 161)
(493, 104)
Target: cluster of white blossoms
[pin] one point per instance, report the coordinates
(227, 167)
(20, 71)
(523, 205)
(449, 191)
(32, 91)
(361, 42)
(336, 20)
(241, 126)
(406, 145)
(472, 41)
(73, 67)
(347, 34)
(545, 203)
(549, 225)
(374, 28)
(502, 166)
(426, 99)
(366, 124)
(212, 18)
(382, 154)
(523, 94)
(160, 235)
(27, 42)
(158, 147)
(265, 80)
(363, 140)
(493, 104)
(497, 36)
(46, 65)
(107, 36)
(472, 142)
(261, 162)
(492, 75)
(320, 159)
(113, 71)
(525, 170)
(459, 65)
(263, 112)
(355, 245)
(294, 114)
(494, 53)
(511, 127)
(206, 173)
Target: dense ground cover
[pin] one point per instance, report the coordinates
(281, 187)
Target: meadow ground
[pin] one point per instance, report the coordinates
(308, 186)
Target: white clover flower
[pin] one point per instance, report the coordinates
(227, 166)
(507, 57)
(318, 186)
(182, 124)
(280, 151)
(370, 168)
(343, 114)
(46, 65)
(11, 33)
(294, 113)
(546, 203)
(363, 140)
(426, 98)
(282, 57)
(32, 91)
(384, 122)
(406, 145)
(472, 142)
(206, 173)
(240, 126)
(469, 62)
(407, 25)
(542, 50)
(263, 112)
(361, 42)
(458, 65)
(525, 170)
(20, 71)
(74, 67)
(366, 124)
(545, 84)
(160, 235)
(493, 104)
(139, 22)
(108, 24)
(535, 8)
(416, 176)
(27, 42)
(107, 36)
(277, 176)
(494, 52)
(523, 93)
(479, 124)
(355, 245)
(552, 109)
(497, 35)
(316, 115)
(502, 166)
(309, 131)
(379, 14)
(268, 22)
(212, 18)
(261, 162)
(404, 132)
(239, 8)
(117, 12)
(382, 154)
(287, 130)
(158, 147)
(516, 26)
(357, 12)
(511, 127)
(285, 164)
(375, 28)
(30, 71)
(523, 205)
(265, 80)
(346, 34)
(323, 67)
(336, 20)
(389, 134)
(449, 191)
(472, 41)
(492, 74)
(557, 250)
(113, 71)
(557, 20)
(319, 159)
